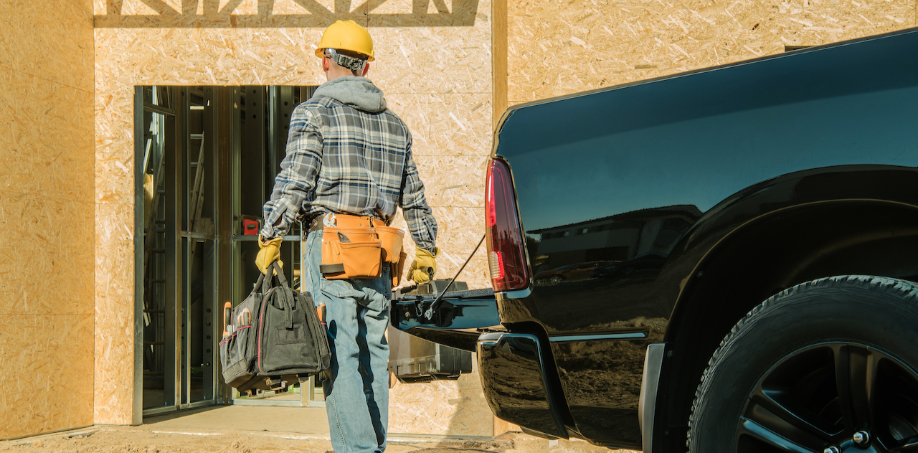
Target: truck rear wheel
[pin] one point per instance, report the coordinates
(826, 366)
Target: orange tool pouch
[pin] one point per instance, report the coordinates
(398, 268)
(393, 256)
(391, 239)
(354, 247)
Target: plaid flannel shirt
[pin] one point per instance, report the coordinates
(344, 160)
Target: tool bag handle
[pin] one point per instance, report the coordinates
(268, 283)
(286, 294)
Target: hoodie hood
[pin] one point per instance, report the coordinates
(357, 92)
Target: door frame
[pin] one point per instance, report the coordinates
(222, 125)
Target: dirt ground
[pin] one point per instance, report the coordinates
(251, 429)
(143, 439)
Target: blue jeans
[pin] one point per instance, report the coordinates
(357, 397)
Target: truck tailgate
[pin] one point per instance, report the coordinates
(454, 322)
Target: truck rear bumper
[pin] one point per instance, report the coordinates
(515, 384)
(653, 363)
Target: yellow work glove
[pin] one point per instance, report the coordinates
(424, 267)
(269, 253)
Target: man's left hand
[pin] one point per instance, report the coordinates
(424, 267)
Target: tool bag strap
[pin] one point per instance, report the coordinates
(266, 282)
(259, 282)
(283, 291)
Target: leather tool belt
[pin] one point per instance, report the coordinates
(358, 247)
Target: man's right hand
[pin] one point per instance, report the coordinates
(269, 253)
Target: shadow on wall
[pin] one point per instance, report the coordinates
(471, 398)
(209, 14)
(472, 415)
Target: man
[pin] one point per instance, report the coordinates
(348, 154)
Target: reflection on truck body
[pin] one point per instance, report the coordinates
(609, 247)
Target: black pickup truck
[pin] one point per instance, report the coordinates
(714, 261)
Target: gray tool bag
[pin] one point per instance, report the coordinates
(272, 338)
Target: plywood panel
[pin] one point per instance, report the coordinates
(455, 408)
(282, 57)
(453, 181)
(219, 56)
(414, 58)
(46, 262)
(414, 110)
(53, 43)
(114, 140)
(114, 313)
(499, 59)
(150, 56)
(46, 142)
(432, 60)
(459, 230)
(47, 362)
(461, 124)
(555, 49)
(46, 216)
(84, 5)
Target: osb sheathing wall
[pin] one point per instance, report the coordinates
(558, 47)
(46, 216)
(433, 61)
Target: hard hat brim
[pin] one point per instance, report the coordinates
(320, 52)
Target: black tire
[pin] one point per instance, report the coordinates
(774, 371)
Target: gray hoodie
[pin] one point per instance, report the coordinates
(354, 91)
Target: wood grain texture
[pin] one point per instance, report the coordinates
(461, 124)
(460, 229)
(46, 216)
(46, 258)
(46, 141)
(418, 55)
(52, 391)
(432, 60)
(499, 75)
(52, 42)
(114, 313)
(554, 49)
(414, 110)
(455, 408)
(453, 181)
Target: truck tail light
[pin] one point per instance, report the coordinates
(506, 255)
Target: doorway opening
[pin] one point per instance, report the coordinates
(206, 159)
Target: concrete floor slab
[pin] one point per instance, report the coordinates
(302, 420)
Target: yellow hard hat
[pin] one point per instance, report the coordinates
(346, 35)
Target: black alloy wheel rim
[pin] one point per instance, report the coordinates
(832, 398)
